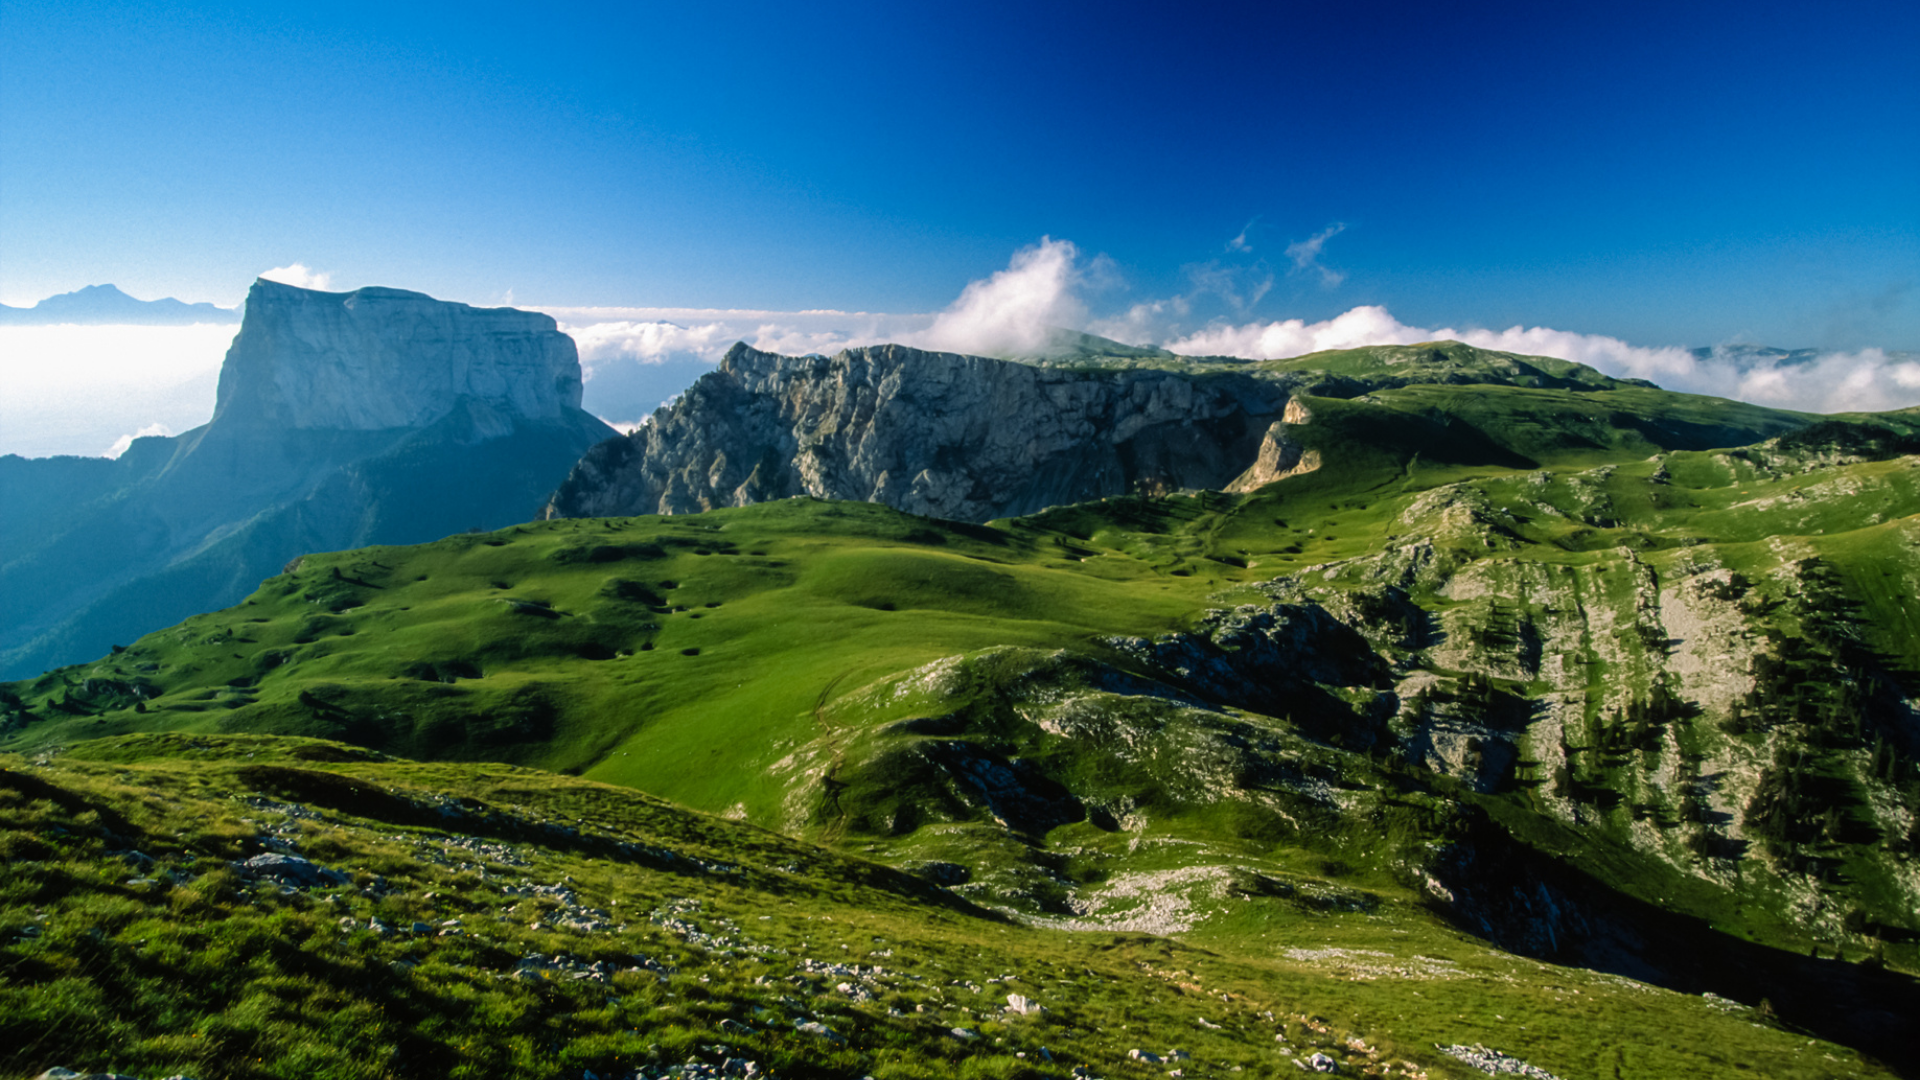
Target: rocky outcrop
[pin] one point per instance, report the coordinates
(959, 437)
(386, 358)
(344, 419)
(1279, 457)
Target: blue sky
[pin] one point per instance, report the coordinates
(1667, 174)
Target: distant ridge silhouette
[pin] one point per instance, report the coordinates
(106, 305)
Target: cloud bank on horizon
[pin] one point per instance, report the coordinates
(1044, 286)
(92, 389)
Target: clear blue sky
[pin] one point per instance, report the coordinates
(1667, 173)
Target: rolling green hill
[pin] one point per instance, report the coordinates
(1543, 679)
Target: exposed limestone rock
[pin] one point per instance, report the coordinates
(939, 434)
(1280, 457)
(387, 358)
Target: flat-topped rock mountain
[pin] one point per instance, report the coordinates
(939, 434)
(377, 416)
(387, 358)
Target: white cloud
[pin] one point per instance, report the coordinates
(1241, 242)
(1306, 254)
(298, 274)
(649, 342)
(1143, 322)
(121, 444)
(1869, 380)
(1013, 310)
(1864, 381)
(1295, 337)
(1240, 286)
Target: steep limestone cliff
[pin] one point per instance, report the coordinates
(959, 437)
(387, 358)
(344, 419)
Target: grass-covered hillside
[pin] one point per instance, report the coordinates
(244, 906)
(1535, 717)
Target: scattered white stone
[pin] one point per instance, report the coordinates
(815, 1027)
(290, 870)
(1495, 1062)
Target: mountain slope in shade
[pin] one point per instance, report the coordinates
(107, 305)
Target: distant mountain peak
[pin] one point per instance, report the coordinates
(109, 305)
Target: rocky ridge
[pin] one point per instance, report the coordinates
(938, 434)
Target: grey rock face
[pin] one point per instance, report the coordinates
(387, 358)
(1279, 457)
(959, 437)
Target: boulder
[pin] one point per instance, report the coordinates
(290, 870)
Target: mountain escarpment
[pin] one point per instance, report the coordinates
(378, 359)
(938, 434)
(343, 419)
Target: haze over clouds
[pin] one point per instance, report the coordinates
(91, 389)
(83, 389)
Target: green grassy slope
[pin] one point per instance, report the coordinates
(488, 920)
(1522, 671)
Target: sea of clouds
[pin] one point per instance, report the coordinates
(91, 389)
